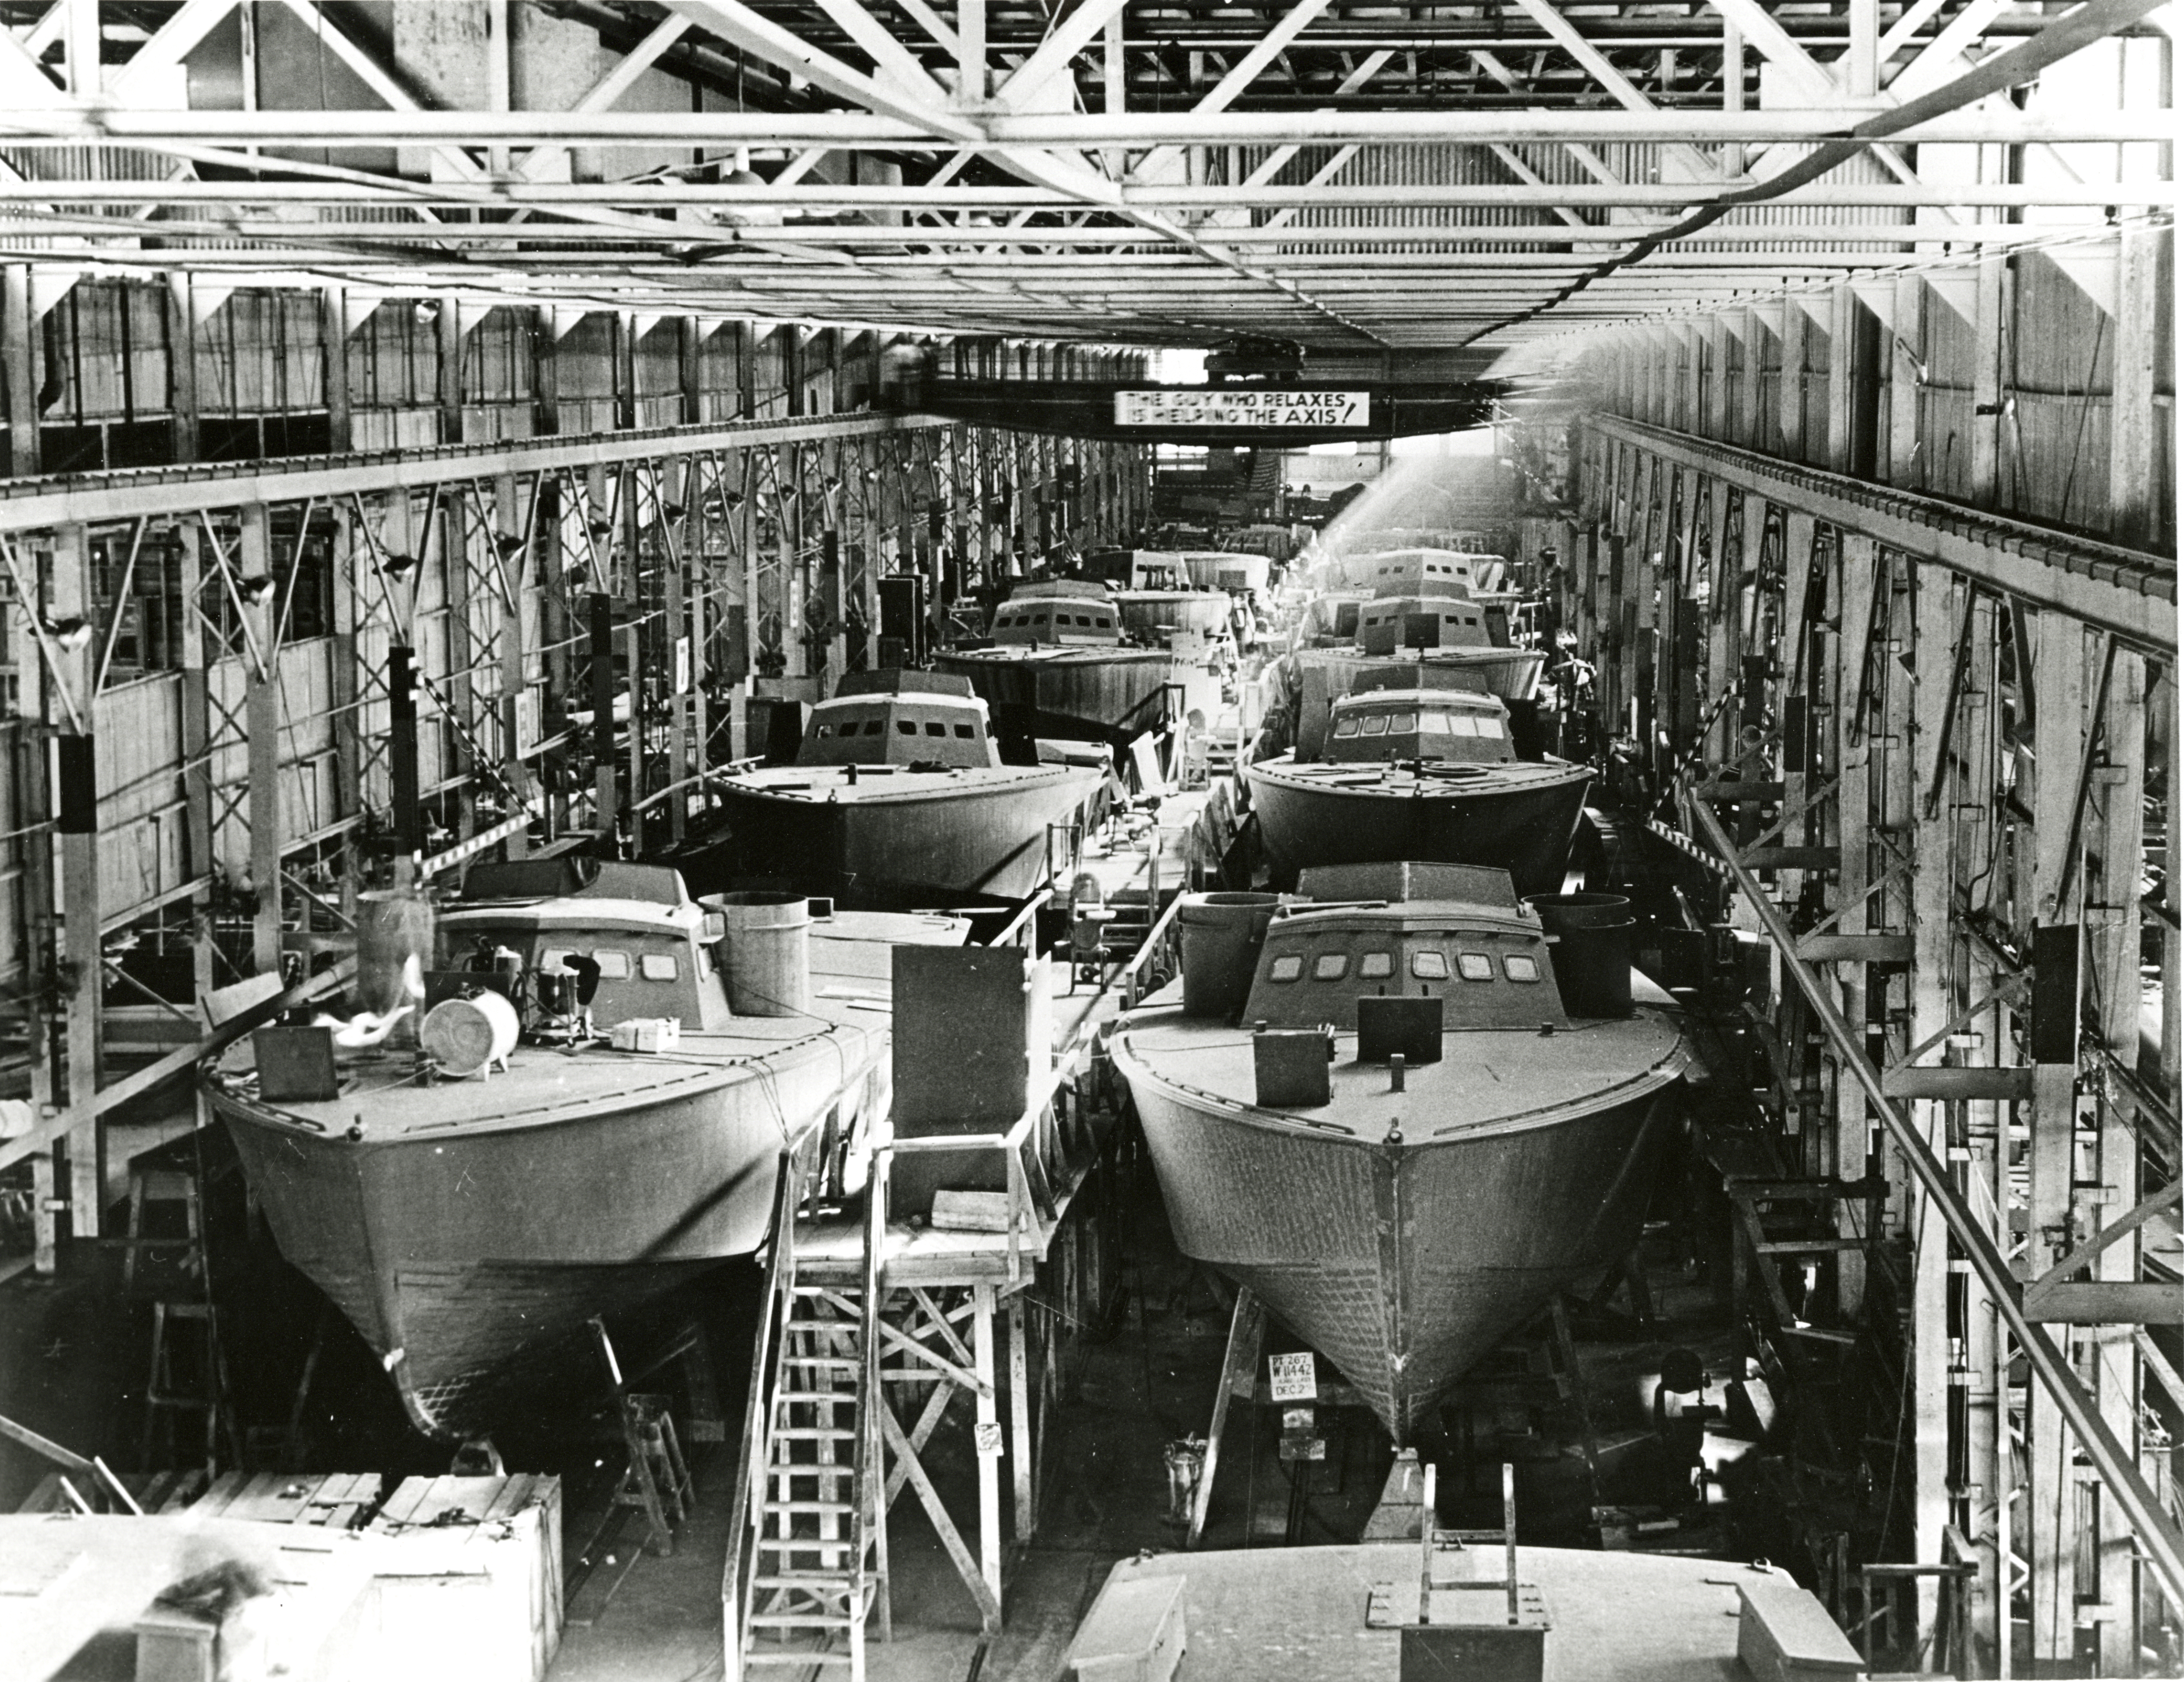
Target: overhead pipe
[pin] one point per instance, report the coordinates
(2159, 1539)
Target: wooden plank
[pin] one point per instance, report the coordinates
(966, 1568)
(1240, 1360)
(2103, 1301)
(1928, 1081)
(1855, 948)
(66, 1458)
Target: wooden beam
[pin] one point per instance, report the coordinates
(1246, 1325)
(989, 1451)
(2107, 1301)
(982, 1594)
(1990, 1085)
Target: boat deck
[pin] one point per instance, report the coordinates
(1299, 1613)
(1487, 1081)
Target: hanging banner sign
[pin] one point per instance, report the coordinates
(1244, 406)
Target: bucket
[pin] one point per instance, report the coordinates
(769, 954)
(1591, 956)
(465, 1035)
(393, 951)
(1222, 935)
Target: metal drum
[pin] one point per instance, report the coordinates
(769, 953)
(1222, 935)
(466, 1036)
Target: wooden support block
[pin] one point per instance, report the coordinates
(1739, 791)
(1134, 1633)
(970, 1211)
(1785, 1635)
(1855, 948)
(2104, 1300)
(1792, 859)
(1931, 1083)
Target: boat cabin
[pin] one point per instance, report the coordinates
(1393, 623)
(1392, 725)
(628, 939)
(1059, 613)
(900, 719)
(651, 960)
(1426, 572)
(1179, 569)
(1485, 957)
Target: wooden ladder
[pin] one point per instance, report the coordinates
(171, 1272)
(819, 1553)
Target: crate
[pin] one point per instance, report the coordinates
(1783, 1634)
(335, 1500)
(1134, 1633)
(470, 1579)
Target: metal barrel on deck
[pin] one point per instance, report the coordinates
(468, 1036)
(1222, 935)
(1591, 950)
(769, 951)
(394, 935)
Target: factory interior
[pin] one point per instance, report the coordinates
(959, 840)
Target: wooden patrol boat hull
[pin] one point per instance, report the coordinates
(1521, 817)
(1402, 1264)
(1110, 694)
(890, 842)
(469, 1256)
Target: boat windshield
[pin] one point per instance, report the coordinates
(1492, 971)
(1448, 726)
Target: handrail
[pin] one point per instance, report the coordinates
(734, 768)
(2163, 1545)
(1022, 925)
(869, 1521)
(746, 1494)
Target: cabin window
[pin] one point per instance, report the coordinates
(1376, 724)
(614, 966)
(1286, 968)
(933, 727)
(1475, 966)
(1520, 966)
(1375, 966)
(1429, 966)
(965, 732)
(874, 726)
(1462, 724)
(1084, 619)
(1039, 618)
(907, 726)
(1434, 724)
(658, 966)
(1490, 726)
(1400, 724)
(1329, 965)
(821, 732)
(1106, 624)
(1450, 619)
(1346, 727)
